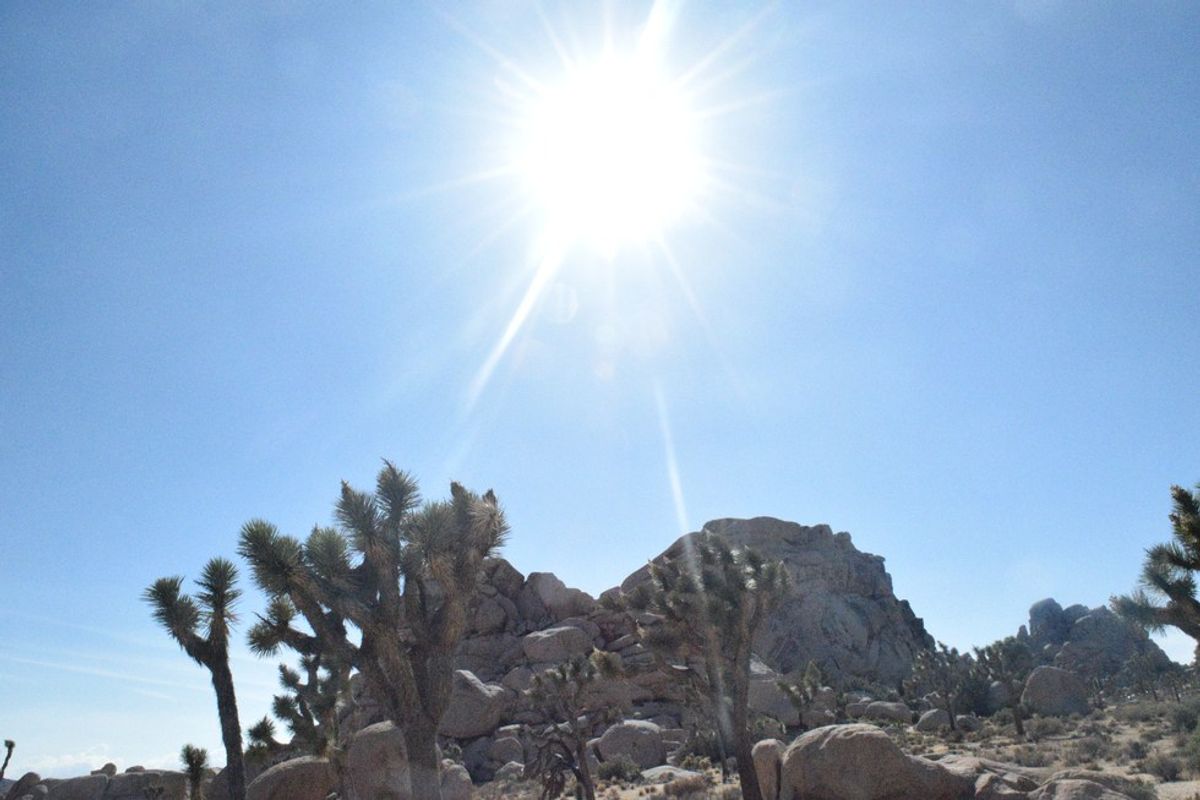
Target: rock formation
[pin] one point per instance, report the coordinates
(840, 611)
(1093, 643)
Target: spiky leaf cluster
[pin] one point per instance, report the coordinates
(400, 571)
(195, 762)
(1167, 592)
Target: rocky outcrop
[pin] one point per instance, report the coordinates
(840, 610)
(1093, 643)
(861, 762)
(1055, 692)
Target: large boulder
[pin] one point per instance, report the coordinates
(89, 787)
(377, 764)
(768, 760)
(23, 786)
(1075, 789)
(133, 785)
(884, 711)
(475, 707)
(640, 741)
(767, 698)
(860, 762)
(456, 782)
(305, 778)
(839, 611)
(554, 645)
(544, 595)
(1054, 692)
(933, 720)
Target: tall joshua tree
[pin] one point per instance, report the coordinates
(711, 600)
(1167, 595)
(404, 574)
(9, 745)
(213, 610)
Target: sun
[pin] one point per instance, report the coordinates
(609, 154)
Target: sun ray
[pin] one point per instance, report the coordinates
(547, 268)
(672, 463)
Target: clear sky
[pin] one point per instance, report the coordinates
(938, 288)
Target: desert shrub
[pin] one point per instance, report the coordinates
(1163, 767)
(1030, 756)
(695, 763)
(1039, 728)
(1139, 790)
(1135, 750)
(702, 743)
(1184, 716)
(620, 769)
(687, 787)
(1140, 711)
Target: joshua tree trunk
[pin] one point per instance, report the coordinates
(424, 770)
(1016, 709)
(584, 770)
(231, 729)
(9, 744)
(744, 752)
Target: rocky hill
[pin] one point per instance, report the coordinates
(840, 610)
(1092, 642)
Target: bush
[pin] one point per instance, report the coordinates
(620, 769)
(691, 786)
(1163, 767)
(1184, 716)
(1135, 750)
(1039, 728)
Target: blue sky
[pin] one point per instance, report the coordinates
(942, 297)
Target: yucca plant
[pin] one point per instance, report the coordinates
(711, 599)
(404, 574)
(195, 762)
(1167, 594)
(1007, 662)
(212, 611)
(566, 696)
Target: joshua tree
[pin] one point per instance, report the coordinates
(946, 673)
(195, 762)
(263, 743)
(9, 744)
(566, 696)
(1007, 662)
(711, 599)
(213, 607)
(403, 574)
(1169, 574)
(803, 695)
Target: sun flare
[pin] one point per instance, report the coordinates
(610, 155)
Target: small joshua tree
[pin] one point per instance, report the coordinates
(263, 744)
(213, 609)
(9, 745)
(1007, 662)
(1167, 595)
(195, 762)
(711, 599)
(403, 574)
(803, 695)
(944, 672)
(567, 696)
